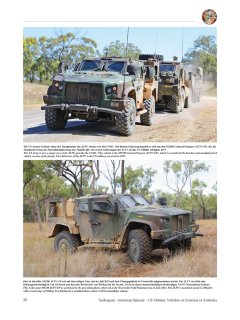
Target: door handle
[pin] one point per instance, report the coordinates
(95, 223)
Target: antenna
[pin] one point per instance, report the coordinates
(155, 52)
(126, 53)
(182, 42)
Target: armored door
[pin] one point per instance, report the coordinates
(104, 222)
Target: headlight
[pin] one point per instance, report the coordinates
(110, 89)
(58, 85)
(165, 223)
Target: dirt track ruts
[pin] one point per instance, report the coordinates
(195, 124)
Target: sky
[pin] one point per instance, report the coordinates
(159, 183)
(162, 40)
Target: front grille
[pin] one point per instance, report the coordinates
(83, 93)
(180, 223)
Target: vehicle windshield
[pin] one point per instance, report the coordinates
(134, 200)
(166, 67)
(90, 65)
(116, 66)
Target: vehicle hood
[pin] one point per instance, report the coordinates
(157, 211)
(94, 77)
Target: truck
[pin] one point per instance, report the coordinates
(179, 85)
(125, 222)
(113, 88)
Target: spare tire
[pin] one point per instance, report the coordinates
(150, 73)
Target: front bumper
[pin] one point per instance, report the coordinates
(181, 237)
(82, 108)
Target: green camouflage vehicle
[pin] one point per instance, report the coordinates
(120, 222)
(101, 88)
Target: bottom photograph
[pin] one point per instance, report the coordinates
(118, 218)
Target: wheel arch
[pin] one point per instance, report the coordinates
(135, 225)
(59, 227)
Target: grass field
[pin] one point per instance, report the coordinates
(32, 95)
(40, 260)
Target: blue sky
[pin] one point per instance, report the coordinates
(166, 41)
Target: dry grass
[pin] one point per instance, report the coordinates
(40, 260)
(32, 95)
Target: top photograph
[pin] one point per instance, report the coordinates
(120, 84)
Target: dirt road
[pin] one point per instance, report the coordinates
(196, 124)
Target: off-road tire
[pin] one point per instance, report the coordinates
(139, 246)
(174, 104)
(125, 122)
(187, 103)
(147, 117)
(54, 119)
(66, 240)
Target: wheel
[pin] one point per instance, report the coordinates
(174, 104)
(187, 103)
(125, 122)
(147, 118)
(65, 240)
(139, 246)
(54, 119)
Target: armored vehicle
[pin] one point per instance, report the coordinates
(101, 88)
(173, 90)
(120, 222)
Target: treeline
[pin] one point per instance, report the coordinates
(44, 180)
(41, 56)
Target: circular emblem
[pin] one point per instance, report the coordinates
(209, 16)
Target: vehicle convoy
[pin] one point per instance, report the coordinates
(112, 88)
(120, 222)
(178, 88)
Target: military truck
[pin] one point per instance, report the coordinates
(101, 88)
(120, 222)
(194, 82)
(173, 91)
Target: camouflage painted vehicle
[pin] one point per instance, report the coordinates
(120, 222)
(173, 91)
(101, 88)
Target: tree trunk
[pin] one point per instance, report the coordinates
(203, 213)
(37, 209)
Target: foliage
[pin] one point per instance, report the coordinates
(118, 49)
(138, 180)
(42, 56)
(182, 172)
(204, 54)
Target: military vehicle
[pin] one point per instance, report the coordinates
(173, 91)
(120, 222)
(102, 88)
(194, 82)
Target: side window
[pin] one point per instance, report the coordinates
(102, 207)
(83, 206)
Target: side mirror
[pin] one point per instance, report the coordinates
(163, 201)
(116, 208)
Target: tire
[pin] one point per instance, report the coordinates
(147, 118)
(149, 73)
(66, 240)
(54, 119)
(187, 103)
(174, 104)
(139, 246)
(125, 122)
